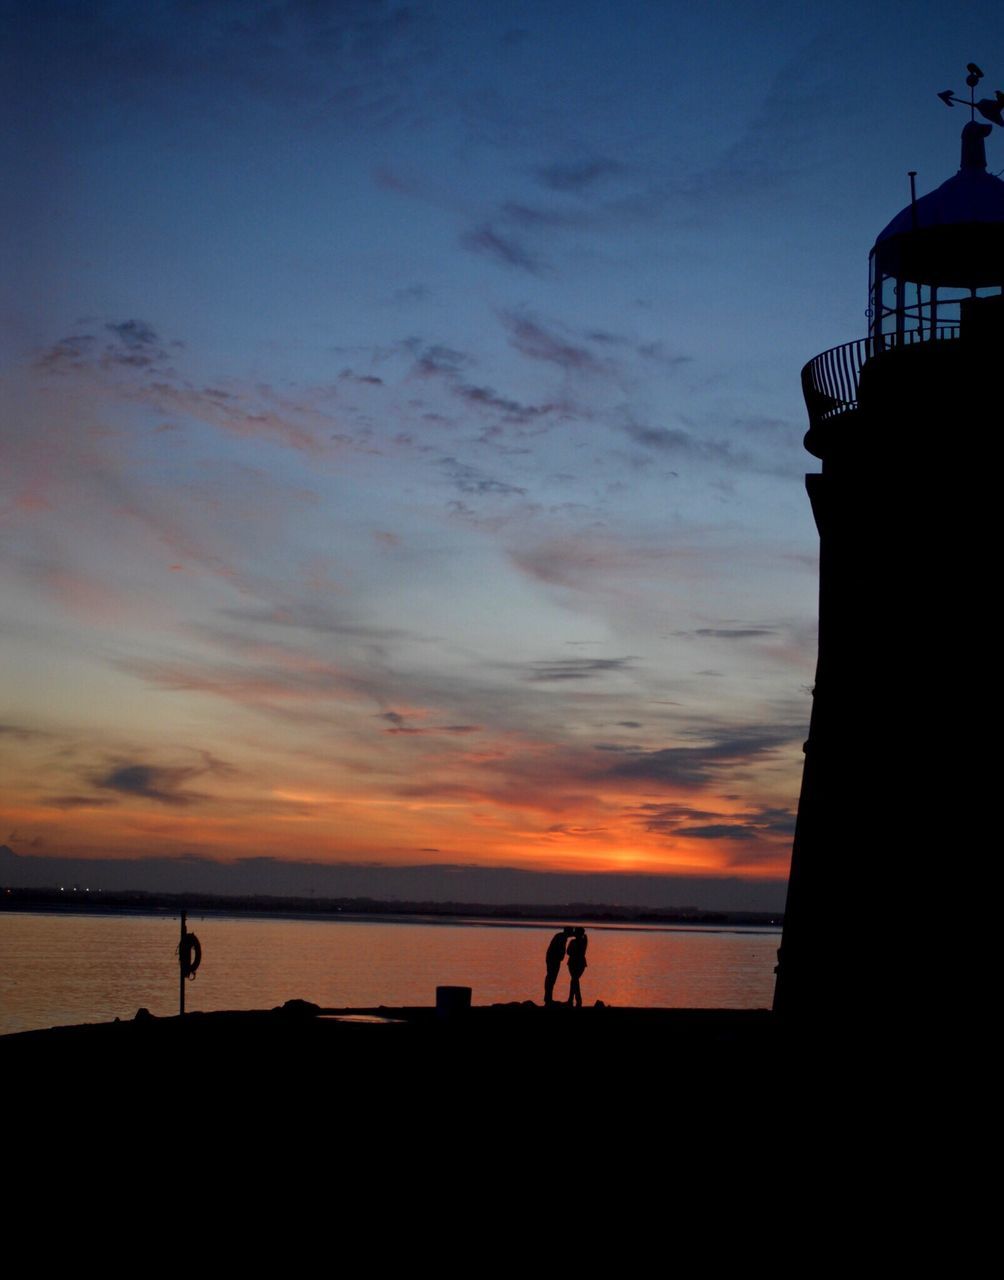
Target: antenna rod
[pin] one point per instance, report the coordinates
(913, 196)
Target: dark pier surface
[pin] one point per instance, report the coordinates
(304, 1031)
(386, 1050)
(409, 1109)
(506, 1043)
(375, 1072)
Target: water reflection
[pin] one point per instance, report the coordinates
(64, 969)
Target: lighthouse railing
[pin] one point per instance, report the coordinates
(830, 380)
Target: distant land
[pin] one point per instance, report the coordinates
(79, 900)
(428, 889)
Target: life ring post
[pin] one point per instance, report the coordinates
(181, 966)
(189, 959)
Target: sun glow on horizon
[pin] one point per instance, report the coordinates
(439, 498)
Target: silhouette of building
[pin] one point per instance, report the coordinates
(895, 811)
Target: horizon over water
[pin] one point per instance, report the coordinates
(61, 969)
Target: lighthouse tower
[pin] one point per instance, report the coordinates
(897, 815)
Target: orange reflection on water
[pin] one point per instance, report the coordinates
(63, 969)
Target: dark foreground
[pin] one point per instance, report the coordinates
(457, 1134)
(301, 1029)
(378, 1053)
(371, 1074)
(502, 1045)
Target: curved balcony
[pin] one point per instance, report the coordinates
(830, 380)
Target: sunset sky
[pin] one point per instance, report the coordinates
(402, 424)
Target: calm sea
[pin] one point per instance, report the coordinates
(61, 969)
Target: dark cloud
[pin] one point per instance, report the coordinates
(721, 831)
(580, 175)
(780, 822)
(505, 249)
(424, 730)
(532, 339)
(701, 824)
(722, 454)
(131, 344)
(660, 437)
(134, 347)
(731, 633)
(511, 410)
(137, 335)
(670, 817)
(605, 338)
(461, 511)
(436, 360)
(471, 480)
(152, 782)
(656, 351)
(399, 724)
(673, 440)
(694, 766)
(575, 668)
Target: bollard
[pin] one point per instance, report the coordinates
(452, 1001)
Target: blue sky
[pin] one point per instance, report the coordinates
(402, 419)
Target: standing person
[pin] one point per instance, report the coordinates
(576, 964)
(555, 955)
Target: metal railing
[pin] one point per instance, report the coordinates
(830, 380)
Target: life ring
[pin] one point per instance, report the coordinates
(189, 955)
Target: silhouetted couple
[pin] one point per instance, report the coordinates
(576, 942)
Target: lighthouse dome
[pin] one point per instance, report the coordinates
(971, 195)
(954, 236)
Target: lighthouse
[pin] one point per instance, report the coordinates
(895, 844)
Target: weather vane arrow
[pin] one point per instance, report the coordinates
(989, 108)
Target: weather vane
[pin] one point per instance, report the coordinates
(989, 108)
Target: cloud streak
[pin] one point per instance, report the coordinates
(697, 766)
(533, 340)
(504, 249)
(164, 784)
(559, 669)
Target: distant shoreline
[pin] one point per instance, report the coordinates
(99, 902)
